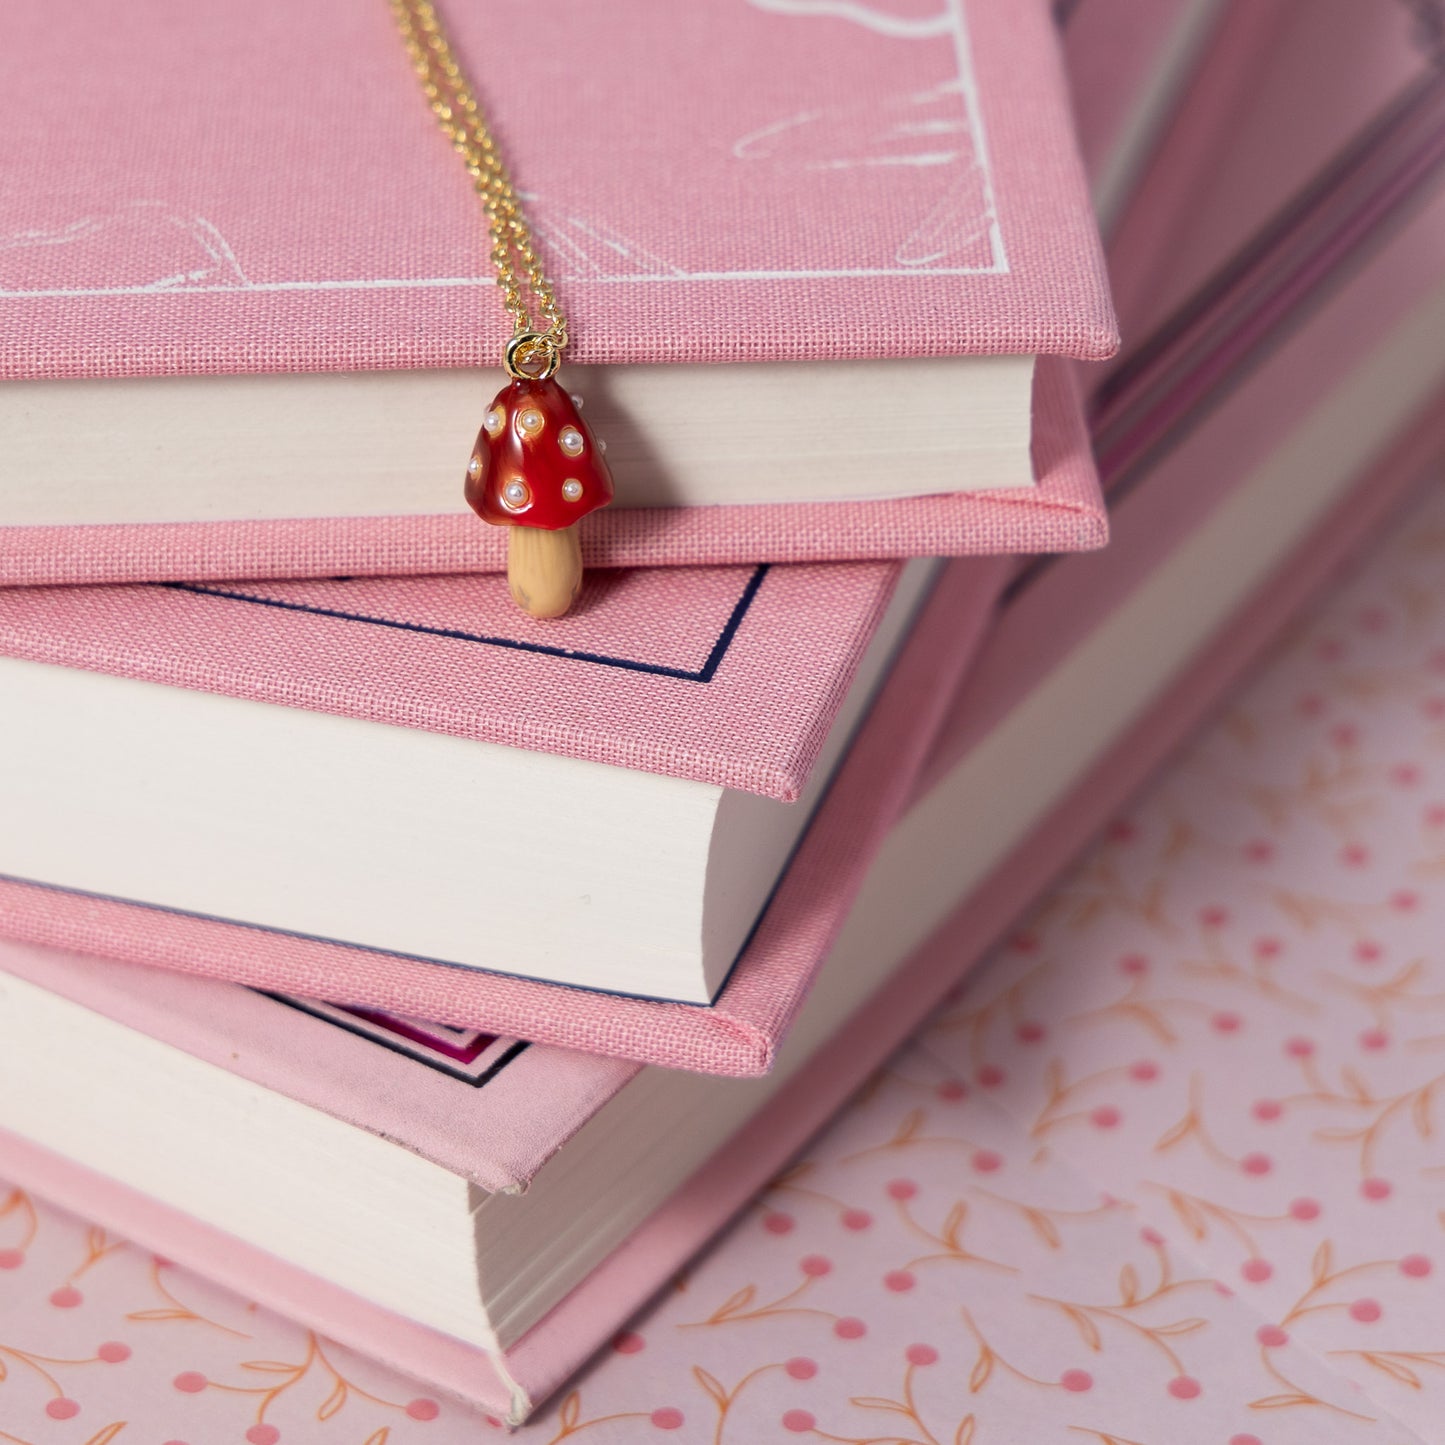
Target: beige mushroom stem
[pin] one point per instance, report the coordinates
(544, 569)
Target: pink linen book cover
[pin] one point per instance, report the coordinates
(490, 1110)
(791, 182)
(753, 1009)
(1063, 512)
(1323, 334)
(739, 1033)
(553, 1351)
(1312, 305)
(728, 676)
(723, 675)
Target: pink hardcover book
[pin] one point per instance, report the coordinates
(673, 672)
(1296, 113)
(1169, 446)
(495, 1112)
(738, 1033)
(1129, 64)
(1321, 228)
(789, 185)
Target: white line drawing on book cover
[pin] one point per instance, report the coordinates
(160, 250)
(924, 130)
(937, 127)
(587, 250)
(871, 17)
(941, 127)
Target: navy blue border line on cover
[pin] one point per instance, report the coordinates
(704, 674)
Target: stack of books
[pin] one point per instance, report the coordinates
(333, 891)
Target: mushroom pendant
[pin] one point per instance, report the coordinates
(537, 469)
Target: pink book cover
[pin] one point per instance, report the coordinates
(738, 1033)
(1308, 343)
(1322, 231)
(552, 1352)
(1226, 377)
(791, 183)
(1129, 64)
(1295, 110)
(1283, 318)
(667, 670)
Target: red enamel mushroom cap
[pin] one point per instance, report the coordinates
(535, 463)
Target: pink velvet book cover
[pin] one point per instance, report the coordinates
(790, 183)
(551, 1353)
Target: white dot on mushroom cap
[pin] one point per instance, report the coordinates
(572, 489)
(530, 420)
(576, 400)
(570, 440)
(514, 494)
(474, 467)
(494, 421)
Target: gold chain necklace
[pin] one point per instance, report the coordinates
(536, 466)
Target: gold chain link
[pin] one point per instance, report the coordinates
(514, 253)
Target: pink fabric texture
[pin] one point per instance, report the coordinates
(788, 183)
(1062, 513)
(729, 676)
(933, 1079)
(737, 1035)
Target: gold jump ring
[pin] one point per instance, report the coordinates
(521, 351)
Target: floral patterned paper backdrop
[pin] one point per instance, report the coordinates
(1168, 1170)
